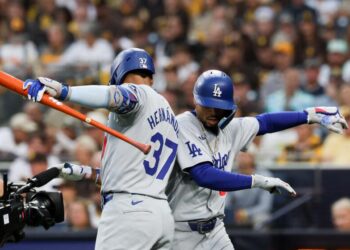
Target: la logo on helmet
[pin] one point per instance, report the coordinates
(143, 62)
(217, 91)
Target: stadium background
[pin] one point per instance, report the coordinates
(282, 55)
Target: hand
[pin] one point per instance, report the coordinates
(73, 172)
(37, 88)
(328, 117)
(271, 184)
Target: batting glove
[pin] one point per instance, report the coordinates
(328, 117)
(271, 184)
(73, 172)
(37, 88)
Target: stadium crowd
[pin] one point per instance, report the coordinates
(282, 55)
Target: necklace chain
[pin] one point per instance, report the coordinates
(213, 152)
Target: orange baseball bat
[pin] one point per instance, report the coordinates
(16, 85)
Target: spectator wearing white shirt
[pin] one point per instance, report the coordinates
(21, 168)
(89, 50)
(14, 138)
(337, 63)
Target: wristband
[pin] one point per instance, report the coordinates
(64, 92)
(97, 174)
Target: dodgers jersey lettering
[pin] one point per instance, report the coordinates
(152, 121)
(187, 200)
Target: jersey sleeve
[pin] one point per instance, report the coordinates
(126, 99)
(243, 131)
(191, 149)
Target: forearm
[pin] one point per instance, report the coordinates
(274, 122)
(115, 98)
(95, 176)
(90, 96)
(205, 175)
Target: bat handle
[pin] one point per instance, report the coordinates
(146, 148)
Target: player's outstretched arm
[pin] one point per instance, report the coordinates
(205, 175)
(74, 172)
(271, 184)
(329, 117)
(116, 98)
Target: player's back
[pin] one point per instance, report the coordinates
(126, 169)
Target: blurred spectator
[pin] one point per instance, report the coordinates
(269, 147)
(198, 31)
(41, 17)
(78, 215)
(341, 214)
(307, 148)
(248, 208)
(95, 133)
(308, 43)
(264, 20)
(244, 96)
(312, 85)
(69, 193)
(51, 53)
(297, 8)
(285, 30)
(326, 9)
(35, 113)
(36, 164)
(65, 133)
(336, 65)
(15, 137)
(263, 64)
(84, 149)
(20, 169)
(90, 53)
(290, 97)
(18, 56)
(282, 60)
(83, 13)
(184, 62)
(344, 94)
(336, 146)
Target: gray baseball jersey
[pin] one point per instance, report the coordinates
(139, 209)
(125, 169)
(197, 145)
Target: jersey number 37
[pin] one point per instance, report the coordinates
(152, 170)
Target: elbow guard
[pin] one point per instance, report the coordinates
(122, 100)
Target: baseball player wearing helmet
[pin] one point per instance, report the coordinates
(136, 214)
(209, 140)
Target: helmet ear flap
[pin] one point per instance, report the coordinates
(226, 120)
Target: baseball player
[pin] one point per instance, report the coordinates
(209, 141)
(136, 214)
